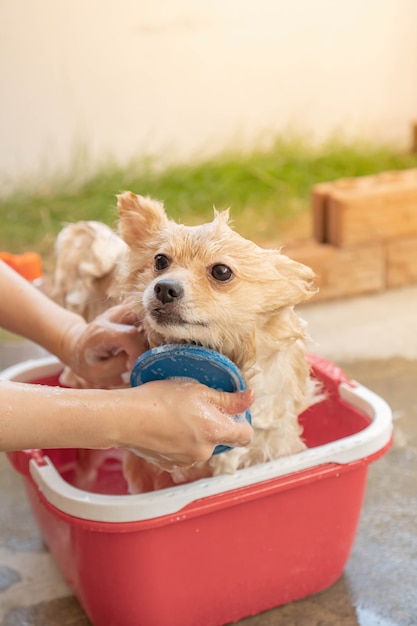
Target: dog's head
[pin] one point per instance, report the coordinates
(205, 284)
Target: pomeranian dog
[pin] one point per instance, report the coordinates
(87, 255)
(208, 285)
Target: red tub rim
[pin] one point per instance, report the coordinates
(363, 446)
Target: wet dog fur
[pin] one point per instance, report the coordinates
(207, 284)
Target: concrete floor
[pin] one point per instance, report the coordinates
(374, 339)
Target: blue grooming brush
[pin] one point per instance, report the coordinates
(193, 362)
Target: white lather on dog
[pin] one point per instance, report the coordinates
(207, 284)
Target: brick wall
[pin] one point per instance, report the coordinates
(364, 234)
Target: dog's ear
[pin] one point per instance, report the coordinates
(222, 217)
(299, 279)
(140, 217)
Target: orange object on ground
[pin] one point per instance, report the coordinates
(28, 264)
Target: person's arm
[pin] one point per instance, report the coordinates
(169, 423)
(26, 311)
(99, 352)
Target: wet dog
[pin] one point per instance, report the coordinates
(208, 285)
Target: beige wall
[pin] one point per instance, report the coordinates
(182, 77)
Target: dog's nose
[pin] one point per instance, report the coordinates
(168, 290)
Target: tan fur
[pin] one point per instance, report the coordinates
(249, 318)
(87, 255)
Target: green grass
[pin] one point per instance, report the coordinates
(264, 189)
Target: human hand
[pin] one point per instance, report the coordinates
(178, 424)
(171, 424)
(103, 350)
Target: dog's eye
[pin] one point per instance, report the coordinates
(221, 272)
(161, 262)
